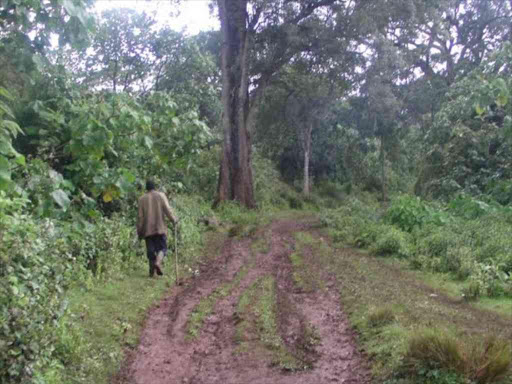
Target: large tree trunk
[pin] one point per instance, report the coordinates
(235, 176)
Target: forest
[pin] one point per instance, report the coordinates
(367, 141)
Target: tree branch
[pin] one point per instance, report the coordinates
(309, 9)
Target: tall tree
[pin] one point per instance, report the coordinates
(259, 38)
(308, 98)
(121, 54)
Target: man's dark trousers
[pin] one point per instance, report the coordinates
(154, 245)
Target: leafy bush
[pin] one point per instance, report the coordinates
(469, 208)
(500, 191)
(436, 244)
(490, 279)
(391, 241)
(190, 210)
(295, 202)
(408, 212)
(354, 223)
(333, 190)
(35, 268)
(270, 191)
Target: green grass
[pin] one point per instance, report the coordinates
(304, 276)
(310, 253)
(304, 238)
(451, 286)
(257, 315)
(262, 244)
(106, 319)
(206, 305)
(501, 305)
(388, 303)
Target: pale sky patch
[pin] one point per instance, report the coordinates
(191, 16)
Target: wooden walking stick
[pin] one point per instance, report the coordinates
(176, 251)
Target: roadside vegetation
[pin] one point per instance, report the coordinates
(413, 292)
(467, 239)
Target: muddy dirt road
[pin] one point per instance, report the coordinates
(262, 312)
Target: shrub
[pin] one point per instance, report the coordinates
(392, 241)
(436, 244)
(490, 279)
(460, 260)
(408, 212)
(438, 251)
(472, 291)
(295, 202)
(34, 271)
(488, 362)
(332, 190)
(469, 208)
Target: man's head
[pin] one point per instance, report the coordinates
(150, 185)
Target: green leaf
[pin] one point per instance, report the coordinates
(61, 198)
(20, 160)
(6, 148)
(39, 62)
(107, 196)
(12, 127)
(502, 99)
(6, 110)
(4, 93)
(148, 142)
(5, 173)
(479, 110)
(128, 176)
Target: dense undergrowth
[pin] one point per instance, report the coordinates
(42, 259)
(469, 239)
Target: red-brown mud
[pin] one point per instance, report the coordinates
(166, 355)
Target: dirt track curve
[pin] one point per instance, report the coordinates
(221, 353)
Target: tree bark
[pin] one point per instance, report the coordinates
(307, 157)
(382, 159)
(235, 175)
(383, 170)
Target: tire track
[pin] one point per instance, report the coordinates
(165, 355)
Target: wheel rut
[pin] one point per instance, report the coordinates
(311, 328)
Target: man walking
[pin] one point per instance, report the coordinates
(153, 206)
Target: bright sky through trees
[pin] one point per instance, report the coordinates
(191, 15)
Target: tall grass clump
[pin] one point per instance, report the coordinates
(380, 317)
(434, 349)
